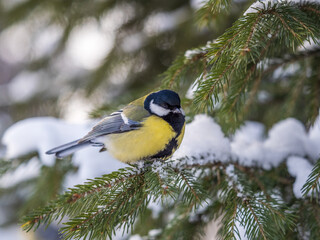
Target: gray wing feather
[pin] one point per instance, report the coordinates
(113, 123)
(62, 147)
(68, 148)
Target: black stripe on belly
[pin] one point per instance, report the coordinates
(173, 144)
(176, 121)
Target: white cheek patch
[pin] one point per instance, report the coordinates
(158, 110)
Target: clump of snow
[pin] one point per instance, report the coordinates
(197, 4)
(314, 140)
(39, 135)
(300, 168)
(43, 133)
(135, 237)
(204, 140)
(189, 54)
(259, 5)
(24, 172)
(251, 146)
(309, 45)
(140, 166)
(157, 167)
(204, 135)
(247, 143)
(154, 232)
(288, 137)
(230, 171)
(263, 4)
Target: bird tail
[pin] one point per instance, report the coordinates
(69, 148)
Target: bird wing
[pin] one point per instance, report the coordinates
(128, 119)
(136, 111)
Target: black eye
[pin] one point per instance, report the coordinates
(164, 105)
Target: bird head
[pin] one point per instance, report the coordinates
(163, 103)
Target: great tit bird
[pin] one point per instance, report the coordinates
(147, 128)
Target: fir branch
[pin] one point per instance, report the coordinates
(180, 66)
(207, 88)
(115, 211)
(252, 94)
(241, 89)
(98, 207)
(285, 24)
(76, 196)
(81, 198)
(180, 227)
(251, 173)
(254, 214)
(253, 28)
(229, 229)
(7, 165)
(189, 186)
(247, 42)
(313, 86)
(210, 9)
(95, 208)
(309, 222)
(262, 217)
(295, 93)
(290, 59)
(311, 8)
(312, 185)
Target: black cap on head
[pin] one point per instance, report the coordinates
(165, 98)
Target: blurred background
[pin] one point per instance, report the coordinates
(79, 59)
(66, 58)
(76, 60)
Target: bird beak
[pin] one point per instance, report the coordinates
(178, 110)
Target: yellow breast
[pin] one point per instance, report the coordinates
(148, 140)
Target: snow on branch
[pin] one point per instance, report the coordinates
(203, 139)
(231, 164)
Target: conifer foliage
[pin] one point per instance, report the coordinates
(196, 190)
(235, 64)
(227, 75)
